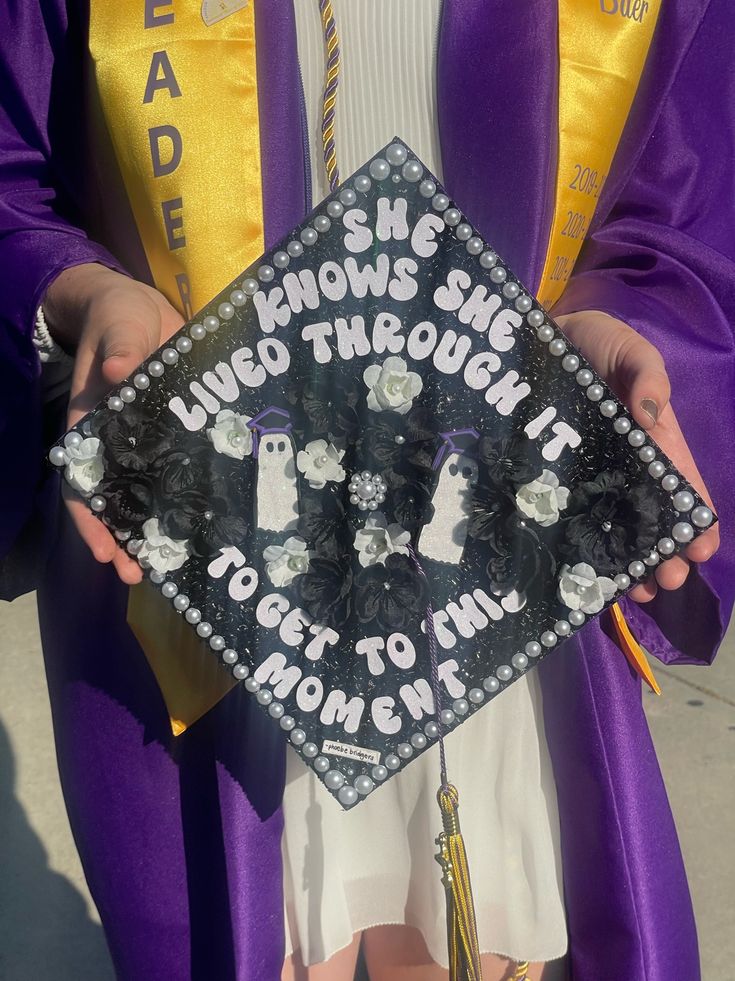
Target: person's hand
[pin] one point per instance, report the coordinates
(114, 323)
(635, 371)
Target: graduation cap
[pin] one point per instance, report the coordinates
(456, 484)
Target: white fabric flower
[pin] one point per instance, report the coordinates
(377, 540)
(85, 468)
(160, 552)
(580, 588)
(285, 562)
(542, 499)
(230, 434)
(391, 386)
(319, 462)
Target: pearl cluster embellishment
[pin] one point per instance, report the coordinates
(367, 490)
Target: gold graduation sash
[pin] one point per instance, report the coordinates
(178, 88)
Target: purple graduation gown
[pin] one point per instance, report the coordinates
(180, 838)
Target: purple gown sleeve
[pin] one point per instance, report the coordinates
(663, 260)
(40, 80)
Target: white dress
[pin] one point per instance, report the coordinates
(372, 865)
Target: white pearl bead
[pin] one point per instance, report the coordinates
(475, 245)
(298, 737)
(308, 236)
(545, 333)
(418, 740)
(240, 672)
(127, 394)
(115, 404)
(504, 672)
(72, 440)
(670, 482)
(461, 706)
(652, 559)
(622, 425)
(595, 393)
(226, 310)
(622, 581)
(181, 602)
(646, 454)
(452, 217)
(682, 532)
(183, 345)
(533, 648)
(498, 274)
(322, 224)
(476, 696)
(562, 628)
(584, 377)
(98, 503)
(637, 569)
(576, 618)
(264, 697)
(440, 202)
(204, 629)
(250, 286)
(169, 356)
(58, 457)
(657, 469)
(169, 590)
(392, 761)
(683, 501)
(363, 784)
(427, 189)
(197, 332)
(666, 546)
(229, 656)
(511, 290)
(523, 303)
(491, 685)
(535, 318)
(412, 171)
(608, 408)
(570, 362)
(238, 297)
(636, 437)
(379, 169)
(557, 347)
(217, 643)
(287, 723)
(463, 232)
(265, 274)
(347, 796)
(347, 197)
(702, 517)
(447, 717)
(519, 661)
(321, 764)
(294, 249)
(193, 615)
(548, 638)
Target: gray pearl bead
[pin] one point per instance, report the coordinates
(405, 750)
(682, 532)
(440, 202)
(461, 706)
(463, 232)
(523, 303)
(646, 454)
(181, 602)
(637, 569)
(347, 796)
(155, 369)
(548, 638)
(491, 685)
(622, 425)
(570, 362)
(488, 260)
(134, 547)
(287, 723)
(297, 737)
(656, 469)
(519, 661)
(308, 236)
(666, 546)
(418, 740)
(476, 696)
(250, 286)
(334, 209)
(557, 348)
(533, 648)
(379, 169)
(226, 310)
(636, 438)
(321, 764)
(594, 392)
(115, 403)
(504, 672)
(652, 559)
(169, 589)
(238, 297)
(498, 274)
(73, 439)
(392, 761)
(240, 672)
(562, 628)
(702, 517)
(193, 615)
(475, 245)
(683, 501)
(427, 189)
(431, 729)
(334, 779)
(183, 345)
(670, 482)
(322, 224)
(98, 503)
(364, 785)
(447, 717)
(169, 356)
(535, 318)
(217, 643)
(347, 197)
(266, 273)
(142, 381)
(309, 750)
(122, 536)
(584, 377)
(204, 629)
(128, 394)
(57, 456)
(156, 577)
(229, 656)
(622, 581)
(281, 259)
(276, 710)
(197, 332)
(545, 333)
(412, 171)
(452, 217)
(511, 290)
(295, 249)
(576, 618)
(608, 408)
(264, 697)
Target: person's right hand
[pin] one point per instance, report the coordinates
(114, 323)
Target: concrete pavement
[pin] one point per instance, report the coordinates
(49, 929)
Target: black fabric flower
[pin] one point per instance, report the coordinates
(130, 499)
(194, 467)
(411, 504)
(393, 441)
(511, 459)
(392, 594)
(322, 522)
(492, 510)
(329, 405)
(520, 560)
(607, 524)
(208, 522)
(324, 591)
(133, 440)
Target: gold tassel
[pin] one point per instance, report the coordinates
(464, 953)
(521, 972)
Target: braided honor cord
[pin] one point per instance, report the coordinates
(331, 84)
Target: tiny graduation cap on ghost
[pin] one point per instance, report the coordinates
(376, 419)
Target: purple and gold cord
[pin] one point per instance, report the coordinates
(329, 100)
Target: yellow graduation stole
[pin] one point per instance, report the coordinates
(177, 84)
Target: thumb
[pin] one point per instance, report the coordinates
(124, 345)
(643, 374)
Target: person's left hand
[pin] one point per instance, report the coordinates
(636, 372)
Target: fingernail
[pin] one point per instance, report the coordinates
(651, 409)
